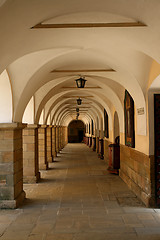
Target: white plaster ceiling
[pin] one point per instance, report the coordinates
(30, 55)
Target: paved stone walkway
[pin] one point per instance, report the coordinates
(77, 199)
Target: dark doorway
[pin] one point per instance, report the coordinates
(80, 134)
(157, 146)
(76, 131)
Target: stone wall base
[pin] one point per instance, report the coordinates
(147, 199)
(136, 170)
(11, 204)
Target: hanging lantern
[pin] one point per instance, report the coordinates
(79, 101)
(80, 82)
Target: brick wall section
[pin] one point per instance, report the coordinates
(31, 172)
(49, 144)
(11, 165)
(136, 169)
(42, 148)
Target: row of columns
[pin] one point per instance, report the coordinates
(96, 144)
(24, 151)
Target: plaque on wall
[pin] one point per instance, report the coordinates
(129, 120)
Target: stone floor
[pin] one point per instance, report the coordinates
(77, 199)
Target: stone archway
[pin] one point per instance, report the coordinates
(76, 130)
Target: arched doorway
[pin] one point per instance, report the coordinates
(76, 130)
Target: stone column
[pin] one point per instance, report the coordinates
(66, 135)
(42, 149)
(101, 149)
(54, 153)
(11, 165)
(97, 144)
(94, 143)
(31, 172)
(57, 139)
(49, 144)
(63, 136)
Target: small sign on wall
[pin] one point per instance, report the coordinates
(140, 111)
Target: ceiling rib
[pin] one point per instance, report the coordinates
(82, 70)
(80, 88)
(76, 96)
(88, 25)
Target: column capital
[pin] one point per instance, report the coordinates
(49, 126)
(14, 125)
(33, 126)
(43, 126)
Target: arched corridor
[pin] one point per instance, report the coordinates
(96, 63)
(78, 199)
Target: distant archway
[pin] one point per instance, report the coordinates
(76, 130)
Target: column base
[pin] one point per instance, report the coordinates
(11, 204)
(49, 159)
(31, 179)
(54, 155)
(43, 166)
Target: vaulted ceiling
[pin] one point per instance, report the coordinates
(46, 45)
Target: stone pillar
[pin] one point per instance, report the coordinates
(57, 139)
(62, 145)
(97, 144)
(63, 137)
(49, 143)
(11, 165)
(54, 153)
(42, 149)
(101, 149)
(66, 135)
(31, 172)
(94, 143)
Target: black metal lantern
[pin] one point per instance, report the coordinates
(80, 82)
(77, 109)
(79, 101)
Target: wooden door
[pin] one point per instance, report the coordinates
(157, 146)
